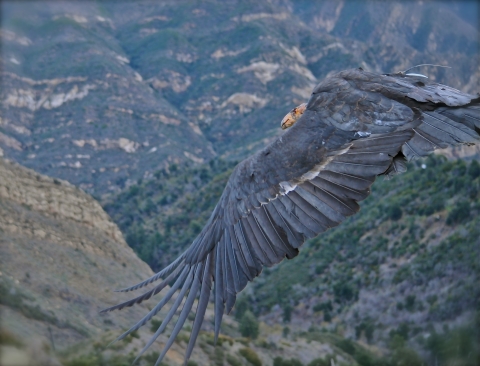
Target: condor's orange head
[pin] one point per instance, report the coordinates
(292, 116)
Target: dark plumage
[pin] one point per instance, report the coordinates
(357, 125)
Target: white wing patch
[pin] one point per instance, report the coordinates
(366, 133)
(286, 187)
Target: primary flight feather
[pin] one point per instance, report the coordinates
(356, 126)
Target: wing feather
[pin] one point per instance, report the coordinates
(349, 180)
(239, 278)
(170, 313)
(251, 259)
(230, 292)
(219, 291)
(276, 238)
(239, 255)
(146, 295)
(346, 207)
(264, 252)
(156, 276)
(187, 307)
(202, 303)
(158, 307)
(285, 208)
(293, 238)
(338, 190)
(317, 199)
(313, 219)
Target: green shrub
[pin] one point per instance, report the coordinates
(324, 306)
(459, 213)
(327, 316)
(15, 299)
(366, 359)
(394, 212)
(210, 339)
(435, 204)
(344, 291)
(402, 331)
(84, 360)
(402, 274)
(287, 313)
(347, 346)
(251, 356)
(263, 343)
(249, 326)
(241, 306)
(410, 303)
(151, 358)
(9, 339)
(432, 299)
(94, 359)
(456, 347)
(367, 327)
(319, 362)
(407, 356)
(279, 361)
(474, 169)
(320, 268)
(155, 324)
(233, 361)
(218, 356)
(182, 337)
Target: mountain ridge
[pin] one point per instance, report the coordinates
(134, 89)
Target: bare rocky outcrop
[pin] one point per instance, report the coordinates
(245, 101)
(460, 152)
(10, 142)
(263, 71)
(54, 198)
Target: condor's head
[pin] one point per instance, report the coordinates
(292, 116)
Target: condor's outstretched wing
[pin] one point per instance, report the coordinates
(357, 125)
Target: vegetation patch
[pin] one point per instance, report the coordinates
(251, 356)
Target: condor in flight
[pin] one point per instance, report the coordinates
(356, 126)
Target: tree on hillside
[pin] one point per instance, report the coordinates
(249, 326)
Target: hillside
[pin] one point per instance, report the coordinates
(61, 257)
(409, 260)
(104, 93)
(406, 265)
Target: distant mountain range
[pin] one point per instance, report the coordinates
(104, 93)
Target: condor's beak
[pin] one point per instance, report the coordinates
(292, 116)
